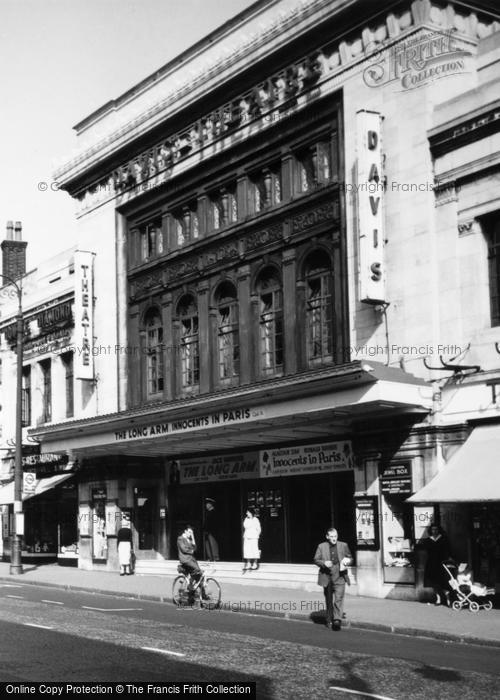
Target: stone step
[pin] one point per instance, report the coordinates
(297, 576)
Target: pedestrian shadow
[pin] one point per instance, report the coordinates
(318, 617)
(444, 675)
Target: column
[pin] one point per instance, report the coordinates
(289, 312)
(204, 338)
(245, 325)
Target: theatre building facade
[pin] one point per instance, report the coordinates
(57, 306)
(260, 258)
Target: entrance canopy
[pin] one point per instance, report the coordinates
(310, 406)
(42, 485)
(471, 475)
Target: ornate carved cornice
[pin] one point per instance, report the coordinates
(282, 93)
(445, 193)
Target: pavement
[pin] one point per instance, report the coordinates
(382, 614)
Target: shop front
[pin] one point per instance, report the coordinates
(296, 491)
(50, 518)
(117, 489)
(295, 452)
(464, 498)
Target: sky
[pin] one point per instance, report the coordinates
(59, 61)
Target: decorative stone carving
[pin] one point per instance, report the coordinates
(466, 228)
(282, 90)
(262, 238)
(147, 282)
(326, 212)
(445, 193)
(186, 267)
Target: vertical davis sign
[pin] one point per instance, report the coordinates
(84, 314)
(370, 193)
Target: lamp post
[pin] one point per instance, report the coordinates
(16, 566)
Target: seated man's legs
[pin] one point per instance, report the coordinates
(193, 569)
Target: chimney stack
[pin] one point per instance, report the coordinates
(13, 252)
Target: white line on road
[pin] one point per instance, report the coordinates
(87, 607)
(15, 596)
(43, 627)
(360, 692)
(53, 602)
(163, 651)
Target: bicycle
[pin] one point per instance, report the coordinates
(185, 589)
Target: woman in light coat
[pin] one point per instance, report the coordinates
(251, 534)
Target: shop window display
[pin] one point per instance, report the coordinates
(98, 519)
(397, 539)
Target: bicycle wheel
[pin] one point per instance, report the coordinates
(212, 594)
(180, 592)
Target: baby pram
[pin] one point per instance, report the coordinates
(475, 597)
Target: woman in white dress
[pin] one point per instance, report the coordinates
(251, 534)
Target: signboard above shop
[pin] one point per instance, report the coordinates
(307, 459)
(286, 461)
(220, 468)
(396, 480)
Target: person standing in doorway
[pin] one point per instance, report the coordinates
(333, 557)
(251, 534)
(125, 546)
(211, 531)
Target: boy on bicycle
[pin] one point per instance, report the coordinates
(186, 547)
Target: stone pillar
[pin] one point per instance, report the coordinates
(204, 338)
(289, 313)
(245, 318)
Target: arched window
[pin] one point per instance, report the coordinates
(319, 315)
(187, 312)
(270, 322)
(227, 331)
(154, 352)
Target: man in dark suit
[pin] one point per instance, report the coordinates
(333, 557)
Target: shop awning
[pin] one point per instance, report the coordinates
(42, 485)
(471, 475)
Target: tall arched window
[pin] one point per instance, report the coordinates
(270, 321)
(227, 331)
(154, 352)
(187, 312)
(319, 313)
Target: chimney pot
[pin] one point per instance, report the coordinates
(18, 231)
(10, 229)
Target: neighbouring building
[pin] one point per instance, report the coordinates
(57, 305)
(287, 244)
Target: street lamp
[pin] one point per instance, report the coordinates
(16, 566)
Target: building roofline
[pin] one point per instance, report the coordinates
(193, 50)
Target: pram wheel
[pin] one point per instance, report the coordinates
(456, 605)
(488, 605)
(474, 607)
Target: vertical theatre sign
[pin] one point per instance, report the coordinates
(370, 192)
(84, 314)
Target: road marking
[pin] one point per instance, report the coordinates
(53, 602)
(163, 651)
(360, 692)
(15, 596)
(10, 585)
(43, 627)
(87, 607)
